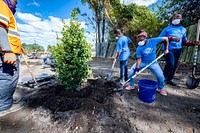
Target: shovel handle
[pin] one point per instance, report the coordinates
(113, 65)
(145, 67)
(29, 68)
(196, 50)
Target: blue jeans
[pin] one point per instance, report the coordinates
(171, 60)
(9, 75)
(124, 70)
(155, 69)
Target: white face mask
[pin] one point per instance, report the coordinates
(141, 43)
(116, 38)
(176, 21)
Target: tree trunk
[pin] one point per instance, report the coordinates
(104, 22)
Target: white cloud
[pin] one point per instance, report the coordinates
(34, 3)
(43, 32)
(139, 2)
(38, 14)
(27, 17)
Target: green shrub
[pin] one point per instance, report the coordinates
(72, 54)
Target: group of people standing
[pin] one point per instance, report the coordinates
(172, 37)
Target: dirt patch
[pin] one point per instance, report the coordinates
(90, 109)
(56, 99)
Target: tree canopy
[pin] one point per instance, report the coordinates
(128, 18)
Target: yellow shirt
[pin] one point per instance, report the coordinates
(7, 18)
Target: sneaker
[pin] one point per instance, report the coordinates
(171, 83)
(16, 100)
(17, 97)
(162, 91)
(130, 88)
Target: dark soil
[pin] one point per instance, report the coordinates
(96, 95)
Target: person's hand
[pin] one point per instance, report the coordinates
(9, 58)
(196, 42)
(115, 60)
(136, 70)
(175, 39)
(166, 51)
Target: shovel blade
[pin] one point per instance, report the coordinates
(109, 76)
(192, 83)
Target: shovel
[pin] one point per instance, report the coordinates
(29, 68)
(192, 82)
(124, 84)
(110, 75)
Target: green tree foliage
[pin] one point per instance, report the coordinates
(190, 9)
(72, 54)
(128, 18)
(131, 18)
(97, 7)
(32, 47)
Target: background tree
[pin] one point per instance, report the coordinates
(129, 18)
(28, 48)
(72, 54)
(189, 9)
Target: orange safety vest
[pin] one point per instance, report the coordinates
(8, 19)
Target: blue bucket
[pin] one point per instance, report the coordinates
(147, 90)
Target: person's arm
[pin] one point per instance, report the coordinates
(119, 49)
(188, 43)
(4, 43)
(137, 69)
(8, 56)
(130, 41)
(139, 60)
(166, 44)
(118, 54)
(170, 38)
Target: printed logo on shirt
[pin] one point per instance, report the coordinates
(148, 51)
(175, 33)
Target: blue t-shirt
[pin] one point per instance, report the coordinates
(174, 31)
(148, 52)
(122, 46)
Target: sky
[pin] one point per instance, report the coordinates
(40, 21)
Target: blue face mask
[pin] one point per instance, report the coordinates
(10, 5)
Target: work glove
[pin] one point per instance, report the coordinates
(9, 58)
(196, 43)
(170, 38)
(136, 70)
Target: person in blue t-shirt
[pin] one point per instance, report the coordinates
(123, 54)
(177, 37)
(145, 54)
